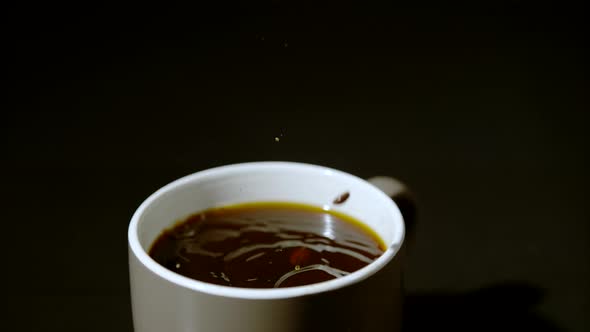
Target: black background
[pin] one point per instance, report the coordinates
(480, 108)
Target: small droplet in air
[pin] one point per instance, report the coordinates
(277, 139)
(178, 265)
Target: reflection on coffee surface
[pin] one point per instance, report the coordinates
(266, 245)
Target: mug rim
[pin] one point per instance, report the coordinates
(262, 293)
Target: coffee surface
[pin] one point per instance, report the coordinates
(266, 245)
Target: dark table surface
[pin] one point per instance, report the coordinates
(482, 113)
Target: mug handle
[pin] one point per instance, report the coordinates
(404, 199)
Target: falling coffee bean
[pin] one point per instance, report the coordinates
(342, 198)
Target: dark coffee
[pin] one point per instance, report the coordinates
(266, 245)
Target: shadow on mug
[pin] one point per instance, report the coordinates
(506, 306)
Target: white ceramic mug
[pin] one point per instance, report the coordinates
(366, 300)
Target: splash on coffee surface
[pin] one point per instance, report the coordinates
(266, 245)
